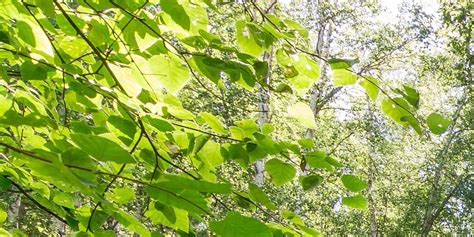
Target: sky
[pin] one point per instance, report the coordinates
(430, 6)
(391, 6)
(389, 15)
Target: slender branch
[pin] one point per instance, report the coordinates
(205, 132)
(63, 96)
(25, 193)
(32, 155)
(326, 61)
(450, 194)
(91, 45)
(178, 52)
(340, 142)
(89, 222)
(158, 155)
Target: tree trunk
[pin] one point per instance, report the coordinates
(371, 166)
(316, 99)
(14, 212)
(430, 216)
(263, 109)
(263, 115)
(372, 208)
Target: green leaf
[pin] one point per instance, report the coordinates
(340, 73)
(279, 171)
(160, 124)
(126, 78)
(197, 42)
(183, 17)
(370, 84)
(437, 123)
(178, 182)
(310, 231)
(297, 27)
(214, 123)
(31, 71)
(180, 113)
(177, 13)
(66, 27)
(243, 200)
(412, 122)
(396, 109)
(121, 195)
(314, 158)
(3, 215)
(170, 71)
(303, 114)
(333, 162)
(98, 33)
(357, 201)
(77, 157)
(311, 181)
(306, 66)
(300, 70)
(306, 142)
(124, 129)
(256, 194)
(308, 72)
(169, 216)
(12, 118)
(5, 233)
(131, 223)
(293, 217)
(47, 7)
(252, 39)
(5, 183)
(210, 154)
(64, 199)
(4, 38)
(199, 142)
(267, 128)
(30, 32)
(101, 148)
(353, 183)
(283, 88)
(5, 105)
(236, 225)
(212, 69)
(410, 95)
(186, 199)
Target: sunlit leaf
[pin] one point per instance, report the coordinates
(236, 225)
(303, 114)
(357, 201)
(279, 171)
(310, 182)
(101, 148)
(258, 195)
(437, 123)
(353, 183)
(340, 72)
(370, 84)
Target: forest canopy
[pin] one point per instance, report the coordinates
(246, 118)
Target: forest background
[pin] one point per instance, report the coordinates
(245, 118)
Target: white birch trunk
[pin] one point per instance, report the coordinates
(263, 116)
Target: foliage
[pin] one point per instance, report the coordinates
(95, 132)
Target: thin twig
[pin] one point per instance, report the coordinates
(110, 184)
(37, 203)
(91, 45)
(32, 155)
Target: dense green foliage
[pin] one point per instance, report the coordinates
(120, 117)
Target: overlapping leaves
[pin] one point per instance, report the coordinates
(90, 103)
